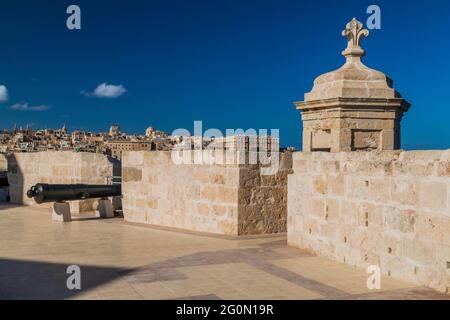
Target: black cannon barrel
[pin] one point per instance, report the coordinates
(43, 192)
(3, 180)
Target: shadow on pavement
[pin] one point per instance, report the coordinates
(42, 280)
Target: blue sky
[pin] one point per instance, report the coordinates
(229, 63)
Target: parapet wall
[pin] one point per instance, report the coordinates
(262, 199)
(224, 199)
(390, 209)
(27, 169)
(3, 163)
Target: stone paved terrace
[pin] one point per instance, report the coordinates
(125, 261)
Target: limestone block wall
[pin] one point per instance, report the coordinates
(262, 198)
(27, 169)
(222, 199)
(3, 163)
(389, 208)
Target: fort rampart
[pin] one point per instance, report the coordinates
(227, 199)
(389, 208)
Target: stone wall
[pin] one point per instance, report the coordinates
(224, 199)
(3, 163)
(390, 209)
(27, 169)
(263, 198)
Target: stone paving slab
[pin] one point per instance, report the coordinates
(123, 261)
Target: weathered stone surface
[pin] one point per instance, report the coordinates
(433, 195)
(444, 169)
(386, 208)
(130, 174)
(224, 199)
(405, 191)
(320, 184)
(401, 220)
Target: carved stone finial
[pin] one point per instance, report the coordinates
(354, 32)
(353, 108)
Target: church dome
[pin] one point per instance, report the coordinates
(149, 131)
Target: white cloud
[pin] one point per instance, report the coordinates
(3, 94)
(24, 106)
(106, 90)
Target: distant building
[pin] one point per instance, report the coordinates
(111, 143)
(114, 131)
(247, 143)
(149, 132)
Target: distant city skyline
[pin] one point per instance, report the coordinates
(231, 64)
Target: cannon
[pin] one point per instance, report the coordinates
(3, 180)
(4, 187)
(43, 192)
(61, 193)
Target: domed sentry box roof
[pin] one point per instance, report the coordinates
(353, 108)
